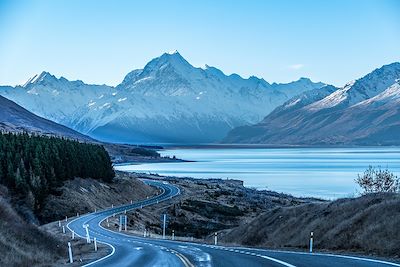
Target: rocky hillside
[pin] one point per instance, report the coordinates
(363, 112)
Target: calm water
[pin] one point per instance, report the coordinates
(320, 172)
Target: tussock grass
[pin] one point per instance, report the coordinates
(369, 224)
(23, 244)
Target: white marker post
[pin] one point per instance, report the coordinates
(63, 229)
(71, 260)
(77, 214)
(112, 206)
(95, 244)
(173, 235)
(73, 234)
(164, 225)
(120, 223)
(126, 222)
(125, 211)
(66, 218)
(87, 233)
(144, 233)
(131, 201)
(59, 223)
(216, 238)
(311, 241)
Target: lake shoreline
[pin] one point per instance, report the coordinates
(261, 146)
(302, 172)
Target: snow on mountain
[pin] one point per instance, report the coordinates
(365, 111)
(52, 98)
(362, 89)
(168, 100)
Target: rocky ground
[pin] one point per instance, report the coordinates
(206, 206)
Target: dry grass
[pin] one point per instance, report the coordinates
(368, 224)
(85, 195)
(22, 244)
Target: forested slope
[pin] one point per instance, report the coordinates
(32, 167)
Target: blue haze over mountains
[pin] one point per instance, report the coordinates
(170, 101)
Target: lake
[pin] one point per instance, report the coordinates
(320, 172)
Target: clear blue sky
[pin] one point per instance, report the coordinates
(100, 41)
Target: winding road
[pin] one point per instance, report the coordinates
(127, 250)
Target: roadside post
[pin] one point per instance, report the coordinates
(311, 242)
(164, 225)
(87, 233)
(73, 234)
(71, 260)
(59, 223)
(95, 244)
(173, 235)
(216, 238)
(126, 222)
(144, 233)
(66, 218)
(63, 229)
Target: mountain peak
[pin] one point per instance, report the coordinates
(37, 78)
(173, 59)
(173, 52)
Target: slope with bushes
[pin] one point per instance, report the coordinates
(368, 224)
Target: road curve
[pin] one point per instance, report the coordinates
(129, 250)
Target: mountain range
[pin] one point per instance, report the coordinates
(363, 112)
(168, 101)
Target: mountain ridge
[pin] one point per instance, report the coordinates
(168, 101)
(363, 112)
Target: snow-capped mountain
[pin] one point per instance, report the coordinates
(168, 100)
(52, 98)
(363, 112)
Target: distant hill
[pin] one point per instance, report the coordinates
(14, 118)
(363, 112)
(168, 101)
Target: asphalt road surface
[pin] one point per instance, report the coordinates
(127, 250)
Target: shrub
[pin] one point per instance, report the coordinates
(375, 180)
